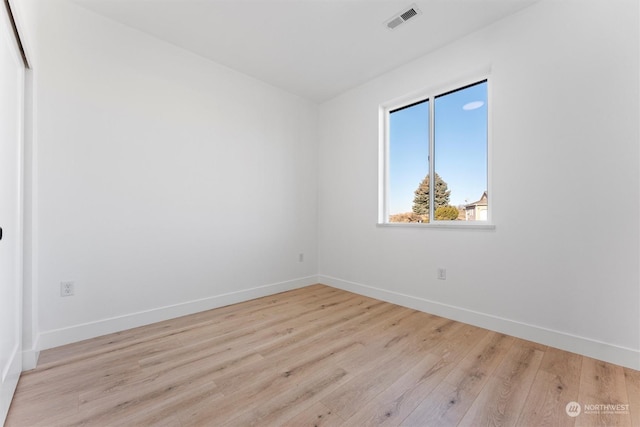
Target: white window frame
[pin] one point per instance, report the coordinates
(383, 175)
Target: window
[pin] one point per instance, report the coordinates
(451, 129)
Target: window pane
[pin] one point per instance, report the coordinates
(460, 151)
(408, 159)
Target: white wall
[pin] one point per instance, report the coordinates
(561, 267)
(166, 184)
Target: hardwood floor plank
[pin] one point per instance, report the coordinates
(274, 379)
(444, 406)
(275, 392)
(316, 415)
(296, 351)
(556, 384)
(372, 376)
(316, 356)
(602, 384)
(139, 402)
(400, 399)
(85, 368)
(503, 397)
(305, 334)
(152, 415)
(632, 380)
(282, 406)
(408, 328)
(239, 338)
(46, 410)
(475, 369)
(452, 397)
(396, 402)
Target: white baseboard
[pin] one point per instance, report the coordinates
(58, 337)
(585, 346)
(30, 359)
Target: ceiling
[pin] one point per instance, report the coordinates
(313, 48)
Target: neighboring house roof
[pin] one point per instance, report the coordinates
(481, 202)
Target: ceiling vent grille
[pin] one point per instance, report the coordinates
(402, 17)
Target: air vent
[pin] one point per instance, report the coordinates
(402, 17)
(409, 14)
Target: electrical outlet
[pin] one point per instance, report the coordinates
(300, 257)
(442, 274)
(67, 289)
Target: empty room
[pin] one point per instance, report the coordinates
(320, 212)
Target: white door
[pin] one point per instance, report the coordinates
(11, 133)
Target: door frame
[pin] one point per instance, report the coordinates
(12, 367)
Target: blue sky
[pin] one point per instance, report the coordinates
(460, 147)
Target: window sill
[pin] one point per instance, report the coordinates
(453, 225)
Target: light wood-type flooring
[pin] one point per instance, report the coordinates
(319, 356)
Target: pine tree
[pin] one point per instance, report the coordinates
(421, 199)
